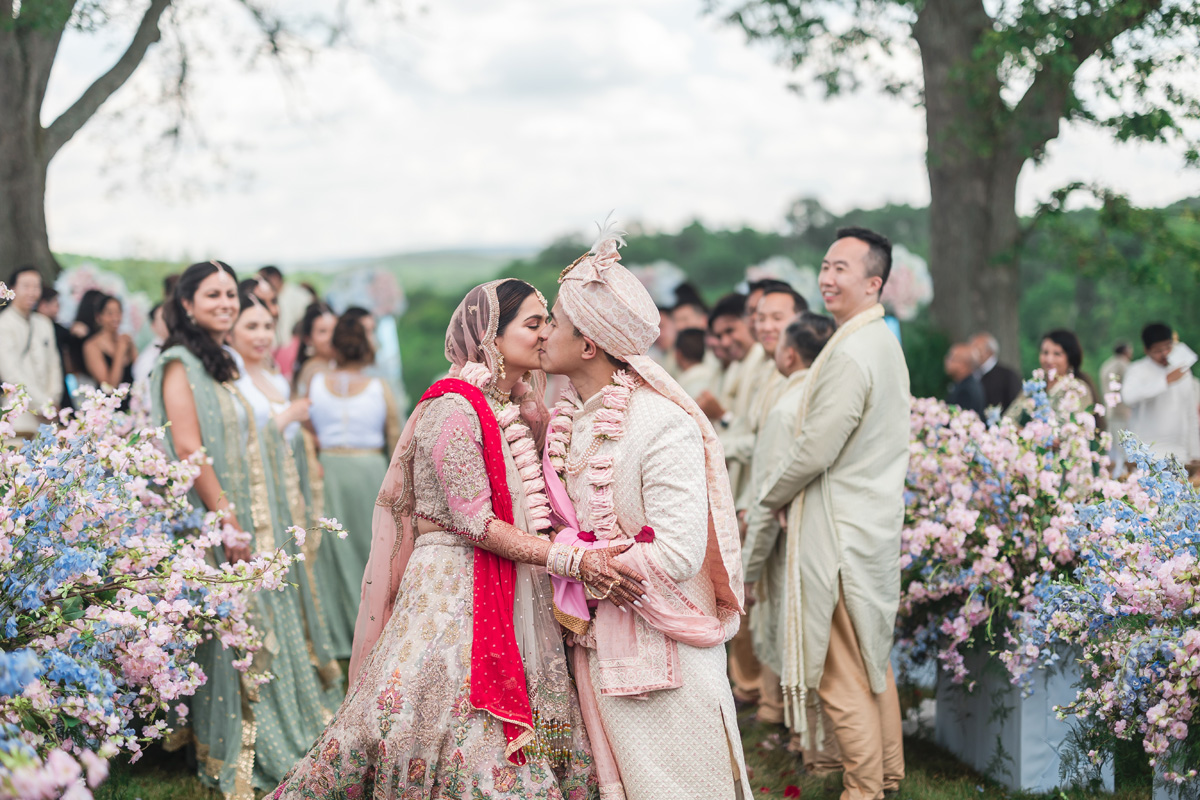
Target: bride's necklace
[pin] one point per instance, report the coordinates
(498, 395)
(607, 424)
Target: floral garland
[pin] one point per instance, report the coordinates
(608, 425)
(520, 441)
(525, 456)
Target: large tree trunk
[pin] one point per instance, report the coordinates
(28, 46)
(972, 179)
(26, 56)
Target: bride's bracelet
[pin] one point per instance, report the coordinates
(564, 560)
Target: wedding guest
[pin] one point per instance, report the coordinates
(108, 354)
(82, 329)
(1112, 378)
(292, 300)
(356, 424)
(316, 346)
(763, 551)
(730, 330)
(1001, 383)
(49, 307)
(967, 390)
(1162, 398)
(1068, 388)
(663, 350)
(29, 353)
(692, 314)
(696, 373)
(145, 361)
(842, 484)
(246, 743)
(278, 418)
(149, 356)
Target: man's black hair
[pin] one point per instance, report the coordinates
(1156, 332)
(783, 288)
(879, 257)
(689, 343)
(731, 305)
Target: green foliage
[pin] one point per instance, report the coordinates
(1106, 273)
(1022, 73)
(422, 333)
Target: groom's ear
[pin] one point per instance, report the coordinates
(590, 350)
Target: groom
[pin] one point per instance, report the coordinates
(641, 462)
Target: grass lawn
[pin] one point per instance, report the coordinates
(932, 775)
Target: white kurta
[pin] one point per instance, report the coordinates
(763, 562)
(852, 457)
(29, 357)
(1163, 415)
(675, 744)
(755, 372)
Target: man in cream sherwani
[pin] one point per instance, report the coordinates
(763, 550)
(666, 706)
(842, 483)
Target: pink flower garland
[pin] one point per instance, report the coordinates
(608, 424)
(525, 456)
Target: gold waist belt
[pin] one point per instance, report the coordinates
(350, 451)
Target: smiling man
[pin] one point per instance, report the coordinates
(28, 350)
(842, 483)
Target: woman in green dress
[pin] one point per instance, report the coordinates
(356, 423)
(244, 737)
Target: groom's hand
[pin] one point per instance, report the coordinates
(610, 578)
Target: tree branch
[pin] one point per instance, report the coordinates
(1038, 115)
(70, 121)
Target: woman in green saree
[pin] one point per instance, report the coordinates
(245, 737)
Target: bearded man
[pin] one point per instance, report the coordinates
(643, 470)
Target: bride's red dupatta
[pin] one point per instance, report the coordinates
(497, 672)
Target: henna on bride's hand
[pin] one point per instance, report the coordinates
(600, 569)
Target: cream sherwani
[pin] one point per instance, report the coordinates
(674, 744)
(852, 457)
(762, 553)
(702, 377)
(738, 437)
(29, 358)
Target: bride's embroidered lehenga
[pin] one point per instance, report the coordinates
(465, 693)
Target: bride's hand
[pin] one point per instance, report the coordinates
(601, 570)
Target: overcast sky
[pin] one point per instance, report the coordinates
(504, 122)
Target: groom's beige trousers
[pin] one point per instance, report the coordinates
(866, 725)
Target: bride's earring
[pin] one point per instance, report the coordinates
(500, 367)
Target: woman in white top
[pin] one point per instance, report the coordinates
(278, 418)
(356, 423)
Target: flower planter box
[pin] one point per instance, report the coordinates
(1014, 740)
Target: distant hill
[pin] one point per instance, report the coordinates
(438, 270)
(442, 271)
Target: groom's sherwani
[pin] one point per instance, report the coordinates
(680, 743)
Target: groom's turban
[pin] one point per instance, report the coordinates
(606, 302)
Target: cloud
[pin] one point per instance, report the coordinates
(501, 122)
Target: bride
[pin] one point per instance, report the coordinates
(458, 681)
